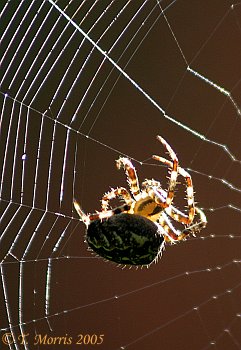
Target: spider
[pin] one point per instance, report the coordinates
(135, 233)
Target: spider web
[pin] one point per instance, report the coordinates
(81, 83)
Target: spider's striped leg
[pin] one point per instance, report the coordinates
(194, 227)
(120, 192)
(87, 218)
(174, 213)
(168, 231)
(191, 229)
(173, 177)
(131, 175)
(83, 217)
(172, 235)
(154, 190)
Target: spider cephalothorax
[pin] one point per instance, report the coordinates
(135, 233)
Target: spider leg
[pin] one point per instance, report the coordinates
(131, 174)
(172, 235)
(196, 226)
(173, 177)
(154, 190)
(166, 228)
(177, 215)
(174, 213)
(83, 217)
(153, 187)
(87, 218)
(113, 193)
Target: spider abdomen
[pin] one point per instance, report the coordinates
(126, 239)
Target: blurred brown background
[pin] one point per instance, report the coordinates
(67, 92)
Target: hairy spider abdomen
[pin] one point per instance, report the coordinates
(127, 239)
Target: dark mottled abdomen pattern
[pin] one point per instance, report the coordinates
(126, 239)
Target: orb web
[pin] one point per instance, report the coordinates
(82, 83)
